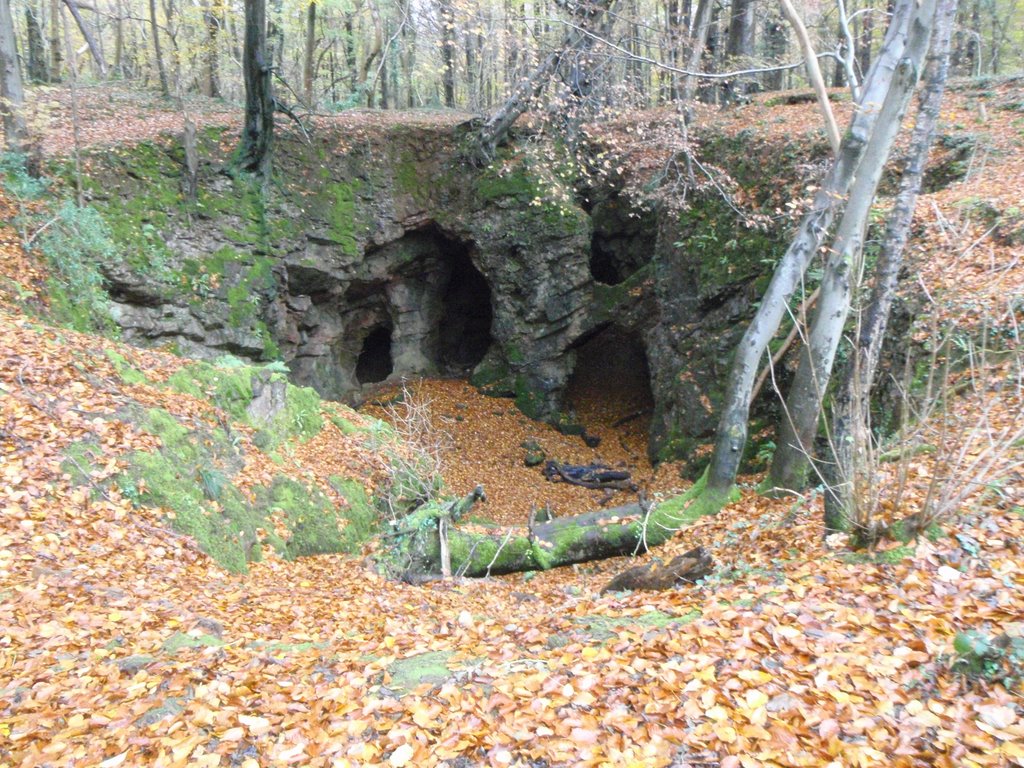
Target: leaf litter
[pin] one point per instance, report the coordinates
(122, 644)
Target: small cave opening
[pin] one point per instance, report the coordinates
(464, 335)
(610, 387)
(375, 362)
(622, 242)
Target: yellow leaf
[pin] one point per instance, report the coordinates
(755, 698)
(401, 756)
(725, 733)
(757, 676)
(718, 713)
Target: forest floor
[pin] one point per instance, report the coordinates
(122, 644)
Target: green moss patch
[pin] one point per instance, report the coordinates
(128, 373)
(407, 674)
(180, 640)
(191, 477)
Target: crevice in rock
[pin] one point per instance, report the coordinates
(375, 362)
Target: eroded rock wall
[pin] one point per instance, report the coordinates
(376, 254)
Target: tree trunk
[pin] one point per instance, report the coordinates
(731, 436)
(813, 73)
(307, 59)
(850, 428)
(119, 68)
(11, 88)
(56, 58)
(776, 42)
(254, 152)
(740, 46)
(154, 27)
(211, 54)
(626, 530)
(446, 15)
(864, 41)
(698, 41)
(842, 274)
(36, 54)
(90, 41)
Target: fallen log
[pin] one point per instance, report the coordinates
(415, 551)
(595, 476)
(655, 576)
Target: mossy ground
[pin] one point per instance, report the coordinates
(193, 474)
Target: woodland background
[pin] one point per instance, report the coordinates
(403, 54)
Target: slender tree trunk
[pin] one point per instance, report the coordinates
(56, 57)
(842, 274)
(813, 73)
(307, 60)
(851, 406)
(119, 68)
(275, 35)
(254, 152)
(11, 87)
(731, 437)
(865, 40)
(154, 30)
(776, 43)
(211, 56)
(446, 15)
(90, 41)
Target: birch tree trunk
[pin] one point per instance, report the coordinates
(850, 428)
(842, 273)
(731, 436)
(813, 73)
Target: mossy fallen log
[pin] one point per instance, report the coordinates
(417, 553)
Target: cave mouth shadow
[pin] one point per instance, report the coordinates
(464, 333)
(375, 362)
(610, 385)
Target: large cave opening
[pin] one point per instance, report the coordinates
(610, 387)
(375, 362)
(464, 334)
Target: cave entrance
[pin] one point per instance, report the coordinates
(610, 388)
(375, 362)
(623, 240)
(464, 335)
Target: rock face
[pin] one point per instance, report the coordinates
(376, 255)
